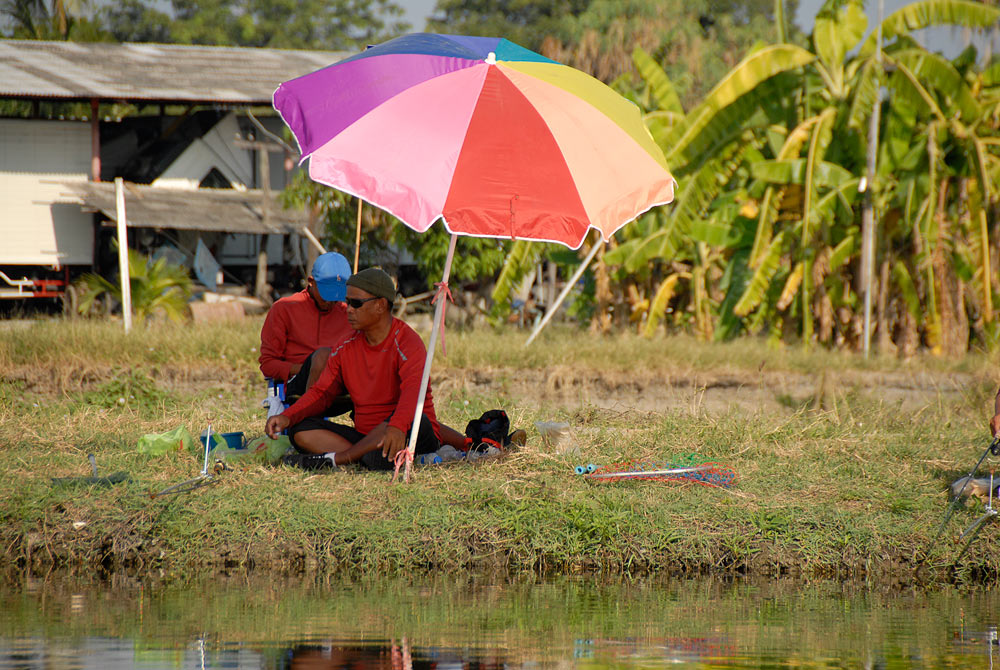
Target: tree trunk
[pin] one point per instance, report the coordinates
(909, 337)
(953, 342)
(601, 322)
(885, 344)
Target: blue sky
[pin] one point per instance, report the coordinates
(417, 12)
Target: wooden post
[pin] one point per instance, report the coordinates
(550, 284)
(265, 208)
(123, 270)
(357, 236)
(95, 141)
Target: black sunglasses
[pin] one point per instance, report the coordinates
(356, 303)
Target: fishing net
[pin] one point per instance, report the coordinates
(682, 468)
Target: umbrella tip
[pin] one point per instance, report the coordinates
(491, 58)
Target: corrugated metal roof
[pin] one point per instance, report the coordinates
(151, 72)
(202, 209)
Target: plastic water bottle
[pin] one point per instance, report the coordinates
(428, 459)
(449, 453)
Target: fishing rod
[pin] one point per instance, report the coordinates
(685, 469)
(648, 473)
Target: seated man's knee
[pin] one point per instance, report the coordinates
(320, 441)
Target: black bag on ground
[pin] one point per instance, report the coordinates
(491, 428)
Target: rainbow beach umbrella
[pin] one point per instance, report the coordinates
(492, 138)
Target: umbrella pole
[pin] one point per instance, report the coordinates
(357, 236)
(565, 292)
(426, 377)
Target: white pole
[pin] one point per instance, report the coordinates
(565, 292)
(312, 238)
(868, 222)
(426, 377)
(123, 254)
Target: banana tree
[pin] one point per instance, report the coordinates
(842, 102)
(764, 229)
(948, 202)
(709, 146)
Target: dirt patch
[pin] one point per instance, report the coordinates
(711, 392)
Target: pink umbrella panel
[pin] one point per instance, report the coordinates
(495, 139)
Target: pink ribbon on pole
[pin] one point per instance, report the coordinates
(443, 290)
(402, 456)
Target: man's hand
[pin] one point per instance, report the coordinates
(393, 440)
(275, 425)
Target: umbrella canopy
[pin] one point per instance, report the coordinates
(496, 139)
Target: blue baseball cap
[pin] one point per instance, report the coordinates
(331, 271)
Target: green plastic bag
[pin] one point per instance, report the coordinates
(260, 450)
(158, 444)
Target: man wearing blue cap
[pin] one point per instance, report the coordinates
(300, 329)
(380, 365)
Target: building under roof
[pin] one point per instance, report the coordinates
(152, 73)
(56, 215)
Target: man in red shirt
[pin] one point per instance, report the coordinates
(301, 329)
(380, 365)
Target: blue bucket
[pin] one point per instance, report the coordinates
(234, 440)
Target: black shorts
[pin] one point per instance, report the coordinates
(427, 441)
(295, 387)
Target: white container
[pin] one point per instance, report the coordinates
(556, 436)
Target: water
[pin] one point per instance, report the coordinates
(457, 623)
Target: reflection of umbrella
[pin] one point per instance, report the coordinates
(495, 139)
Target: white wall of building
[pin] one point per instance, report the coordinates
(37, 225)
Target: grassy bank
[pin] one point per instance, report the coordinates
(834, 480)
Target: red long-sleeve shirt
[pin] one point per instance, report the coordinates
(294, 328)
(383, 380)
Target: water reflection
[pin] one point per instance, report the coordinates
(390, 656)
(453, 623)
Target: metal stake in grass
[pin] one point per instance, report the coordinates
(94, 479)
(994, 448)
(208, 442)
(203, 478)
